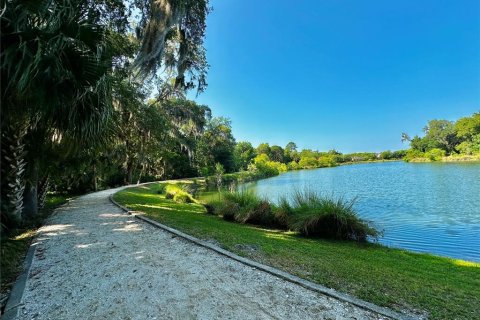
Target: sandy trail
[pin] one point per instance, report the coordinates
(94, 262)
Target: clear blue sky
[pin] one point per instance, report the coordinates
(351, 75)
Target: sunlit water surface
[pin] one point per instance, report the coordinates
(422, 207)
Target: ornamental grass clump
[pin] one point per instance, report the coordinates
(245, 206)
(314, 215)
(178, 194)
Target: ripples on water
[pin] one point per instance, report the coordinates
(423, 207)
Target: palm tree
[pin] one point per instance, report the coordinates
(58, 57)
(57, 64)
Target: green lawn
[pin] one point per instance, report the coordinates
(439, 287)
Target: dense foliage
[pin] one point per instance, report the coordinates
(74, 110)
(445, 138)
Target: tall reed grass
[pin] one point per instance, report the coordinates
(307, 212)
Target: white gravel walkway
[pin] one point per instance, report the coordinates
(94, 262)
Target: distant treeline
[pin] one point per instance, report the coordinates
(245, 155)
(267, 161)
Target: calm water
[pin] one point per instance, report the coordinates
(423, 207)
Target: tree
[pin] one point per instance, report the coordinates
(57, 59)
(172, 33)
(290, 153)
(263, 148)
(308, 162)
(243, 155)
(386, 155)
(277, 154)
(216, 145)
(470, 147)
(441, 133)
(467, 127)
(405, 137)
(291, 147)
(64, 61)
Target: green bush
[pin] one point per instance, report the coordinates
(308, 213)
(308, 162)
(228, 210)
(313, 215)
(210, 208)
(283, 213)
(413, 154)
(178, 194)
(183, 198)
(293, 165)
(470, 147)
(246, 207)
(327, 161)
(435, 154)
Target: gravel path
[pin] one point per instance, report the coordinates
(94, 262)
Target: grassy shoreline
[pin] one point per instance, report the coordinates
(423, 284)
(450, 159)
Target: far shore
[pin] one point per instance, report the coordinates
(458, 158)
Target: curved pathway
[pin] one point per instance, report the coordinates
(92, 261)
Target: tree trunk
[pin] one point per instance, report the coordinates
(129, 176)
(42, 190)
(12, 175)
(30, 197)
(95, 184)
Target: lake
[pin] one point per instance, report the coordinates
(422, 207)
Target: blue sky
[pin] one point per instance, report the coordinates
(350, 75)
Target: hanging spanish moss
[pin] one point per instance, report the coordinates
(172, 33)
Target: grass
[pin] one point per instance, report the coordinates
(244, 206)
(312, 214)
(439, 287)
(15, 245)
(177, 192)
(309, 213)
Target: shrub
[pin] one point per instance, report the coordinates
(413, 154)
(470, 147)
(210, 208)
(259, 214)
(435, 154)
(263, 166)
(283, 213)
(183, 198)
(327, 161)
(160, 188)
(190, 188)
(386, 155)
(247, 207)
(293, 165)
(178, 194)
(319, 216)
(228, 210)
(308, 162)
